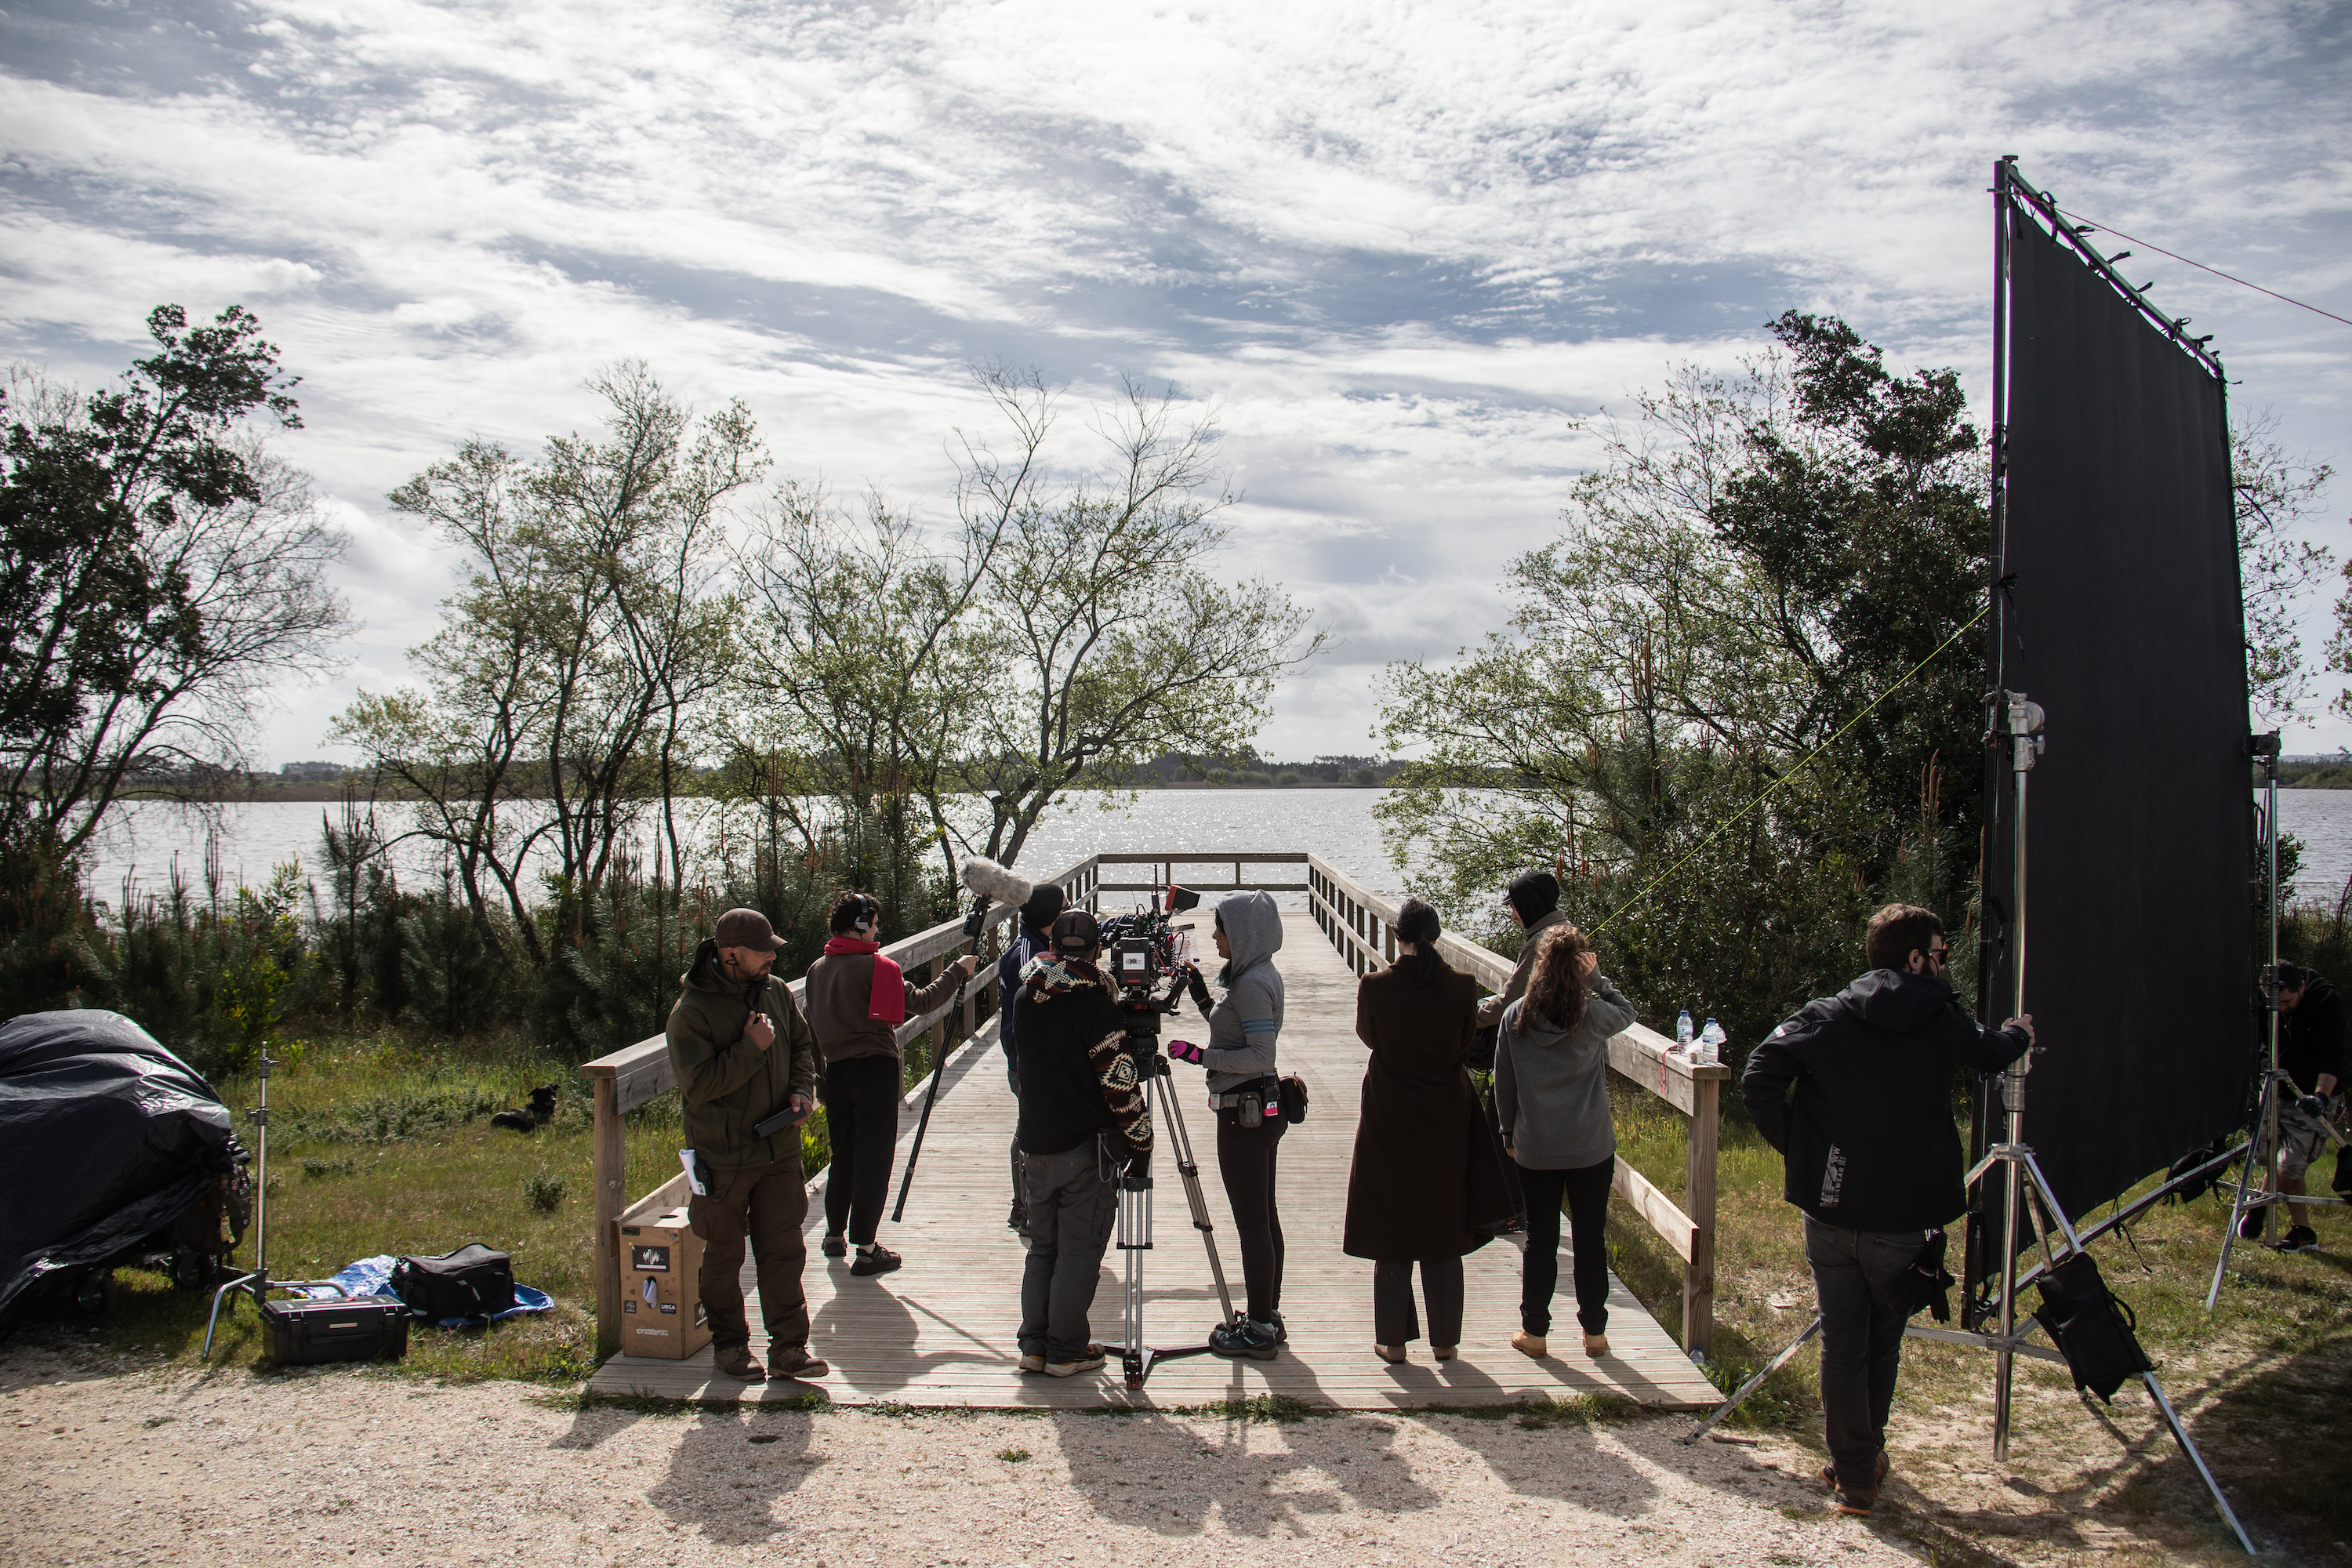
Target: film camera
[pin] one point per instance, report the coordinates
(1141, 949)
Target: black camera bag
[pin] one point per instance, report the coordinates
(2097, 1334)
(472, 1282)
(1294, 1101)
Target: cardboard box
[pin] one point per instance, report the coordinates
(661, 1305)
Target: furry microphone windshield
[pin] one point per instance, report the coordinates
(991, 882)
(995, 882)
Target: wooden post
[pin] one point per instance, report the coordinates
(611, 1174)
(1698, 1202)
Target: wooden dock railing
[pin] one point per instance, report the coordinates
(1358, 922)
(1362, 926)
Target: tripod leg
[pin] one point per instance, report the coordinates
(1180, 1144)
(2238, 1209)
(2181, 1435)
(240, 1282)
(1753, 1384)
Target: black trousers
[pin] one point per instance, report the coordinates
(1394, 1322)
(861, 1118)
(1585, 1192)
(1246, 1159)
(1856, 1274)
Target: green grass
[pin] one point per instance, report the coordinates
(379, 1145)
(2267, 1373)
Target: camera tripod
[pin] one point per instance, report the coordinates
(1135, 1188)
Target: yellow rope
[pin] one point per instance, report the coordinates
(1793, 771)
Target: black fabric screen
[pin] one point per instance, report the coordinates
(2123, 621)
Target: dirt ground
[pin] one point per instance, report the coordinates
(106, 1461)
(161, 1466)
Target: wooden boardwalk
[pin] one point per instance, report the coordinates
(940, 1331)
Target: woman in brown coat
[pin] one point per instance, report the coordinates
(1426, 1185)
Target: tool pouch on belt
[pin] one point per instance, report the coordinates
(1251, 1106)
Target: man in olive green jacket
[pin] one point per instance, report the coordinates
(743, 1053)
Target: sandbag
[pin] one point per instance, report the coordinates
(105, 1138)
(2097, 1334)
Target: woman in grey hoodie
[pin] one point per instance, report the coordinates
(1551, 1092)
(1240, 1061)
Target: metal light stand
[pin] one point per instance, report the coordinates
(2023, 1180)
(258, 1284)
(2267, 1137)
(1134, 1235)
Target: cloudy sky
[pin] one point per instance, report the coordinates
(1399, 248)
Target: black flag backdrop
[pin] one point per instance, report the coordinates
(2124, 622)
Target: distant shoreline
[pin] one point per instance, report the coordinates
(329, 793)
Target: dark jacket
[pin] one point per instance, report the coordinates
(1027, 945)
(1426, 1180)
(1490, 1011)
(1075, 1078)
(841, 1006)
(2311, 1038)
(1868, 1138)
(727, 1083)
(1551, 1085)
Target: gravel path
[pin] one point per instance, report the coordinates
(163, 1466)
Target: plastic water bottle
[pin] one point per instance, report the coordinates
(1683, 1033)
(1710, 1044)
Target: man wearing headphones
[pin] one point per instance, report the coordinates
(856, 1000)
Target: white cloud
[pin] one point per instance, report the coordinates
(1398, 246)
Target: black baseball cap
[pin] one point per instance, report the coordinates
(1076, 932)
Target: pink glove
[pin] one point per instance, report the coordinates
(1184, 1051)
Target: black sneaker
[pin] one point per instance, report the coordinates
(1274, 1324)
(835, 1245)
(1244, 1338)
(2301, 1238)
(2251, 1226)
(875, 1260)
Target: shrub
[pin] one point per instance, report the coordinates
(545, 1193)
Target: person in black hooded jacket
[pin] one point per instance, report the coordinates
(1856, 1093)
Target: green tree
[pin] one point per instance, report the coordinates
(587, 634)
(162, 570)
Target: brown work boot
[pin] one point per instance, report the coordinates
(794, 1361)
(737, 1363)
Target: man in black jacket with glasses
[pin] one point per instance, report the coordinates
(1856, 1093)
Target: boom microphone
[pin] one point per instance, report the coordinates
(991, 882)
(996, 882)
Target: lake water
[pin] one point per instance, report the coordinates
(1335, 823)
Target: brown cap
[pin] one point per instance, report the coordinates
(1076, 931)
(748, 928)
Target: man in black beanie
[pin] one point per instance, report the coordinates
(1533, 898)
(1036, 934)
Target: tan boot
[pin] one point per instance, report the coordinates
(1596, 1345)
(737, 1363)
(1390, 1353)
(1528, 1344)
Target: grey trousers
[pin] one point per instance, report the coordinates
(1855, 1274)
(1071, 1211)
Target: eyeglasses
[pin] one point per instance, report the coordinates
(1939, 955)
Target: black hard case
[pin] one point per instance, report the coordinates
(359, 1328)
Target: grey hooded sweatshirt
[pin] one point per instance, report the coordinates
(1551, 1085)
(1242, 1028)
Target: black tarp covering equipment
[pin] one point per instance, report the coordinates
(2117, 609)
(105, 1138)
